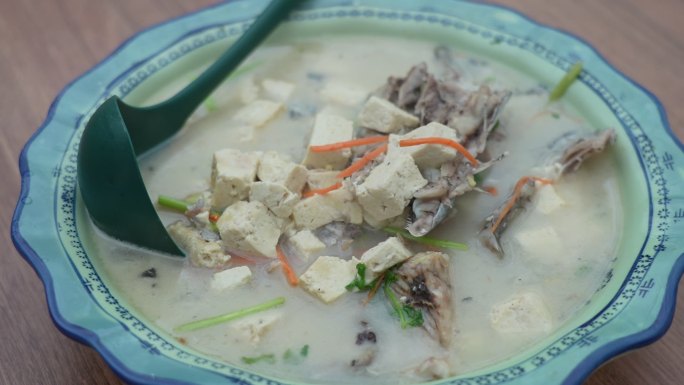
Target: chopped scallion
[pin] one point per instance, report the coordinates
(566, 82)
(230, 316)
(172, 203)
(426, 240)
(267, 358)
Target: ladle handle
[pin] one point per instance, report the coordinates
(179, 107)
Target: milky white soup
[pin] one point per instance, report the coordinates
(557, 273)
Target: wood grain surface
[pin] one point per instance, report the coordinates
(44, 44)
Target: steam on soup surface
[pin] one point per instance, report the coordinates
(540, 231)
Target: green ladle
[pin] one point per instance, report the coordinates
(107, 167)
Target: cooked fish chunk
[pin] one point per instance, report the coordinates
(203, 251)
(424, 283)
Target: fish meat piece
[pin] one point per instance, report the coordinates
(423, 282)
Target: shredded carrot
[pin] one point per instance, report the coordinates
(349, 143)
(443, 141)
(491, 190)
(516, 194)
(213, 218)
(323, 190)
(375, 288)
(287, 269)
(359, 164)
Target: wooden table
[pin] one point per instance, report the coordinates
(44, 44)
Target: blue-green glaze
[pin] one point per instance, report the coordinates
(633, 308)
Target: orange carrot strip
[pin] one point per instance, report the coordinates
(287, 269)
(359, 164)
(516, 193)
(374, 289)
(349, 143)
(213, 218)
(443, 141)
(323, 190)
(491, 190)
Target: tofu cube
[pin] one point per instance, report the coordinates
(232, 174)
(318, 179)
(275, 196)
(252, 328)
(389, 187)
(381, 115)
(540, 242)
(383, 256)
(245, 134)
(249, 227)
(548, 200)
(231, 278)
(522, 313)
(247, 90)
(277, 168)
(277, 90)
(327, 277)
(306, 243)
(329, 129)
(427, 155)
(318, 210)
(202, 251)
(344, 94)
(258, 112)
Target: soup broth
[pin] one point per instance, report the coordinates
(318, 342)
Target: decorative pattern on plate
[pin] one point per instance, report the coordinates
(658, 167)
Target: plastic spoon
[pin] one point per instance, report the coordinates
(108, 174)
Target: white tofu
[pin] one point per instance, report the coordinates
(232, 174)
(252, 328)
(427, 155)
(258, 112)
(539, 243)
(249, 227)
(277, 90)
(521, 313)
(319, 210)
(344, 94)
(245, 134)
(231, 278)
(327, 277)
(275, 196)
(306, 244)
(329, 129)
(248, 90)
(548, 200)
(389, 187)
(383, 256)
(383, 116)
(202, 252)
(318, 179)
(277, 168)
